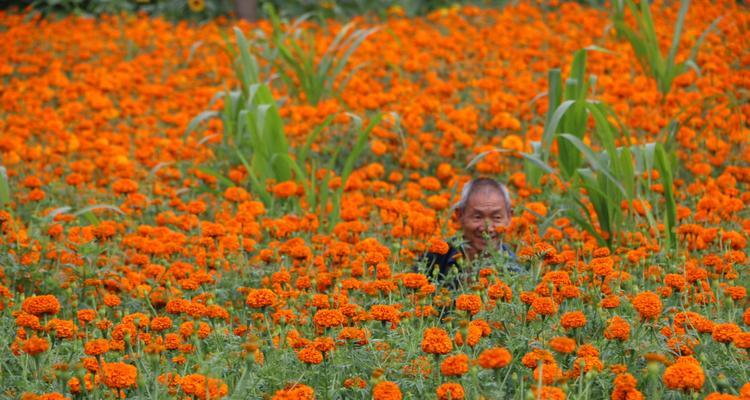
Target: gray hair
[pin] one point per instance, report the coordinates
(477, 184)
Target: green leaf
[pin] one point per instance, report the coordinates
(249, 67)
(541, 164)
(482, 155)
(302, 157)
(551, 128)
(665, 172)
(210, 171)
(593, 159)
(684, 5)
(205, 115)
(87, 212)
(4, 187)
(255, 185)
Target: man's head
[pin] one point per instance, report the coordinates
(484, 206)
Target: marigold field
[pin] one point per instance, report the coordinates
(138, 260)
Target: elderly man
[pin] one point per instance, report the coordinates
(484, 207)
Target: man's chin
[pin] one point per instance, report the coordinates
(481, 245)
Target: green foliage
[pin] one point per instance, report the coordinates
(645, 42)
(609, 177)
(201, 10)
(350, 8)
(296, 58)
(197, 10)
(253, 134)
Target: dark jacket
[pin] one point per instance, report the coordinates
(447, 269)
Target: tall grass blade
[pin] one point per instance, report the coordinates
(4, 187)
(304, 150)
(205, 115)
(593, 159)
(665, 172)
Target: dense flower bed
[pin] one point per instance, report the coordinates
(159, 280)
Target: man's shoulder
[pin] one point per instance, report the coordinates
(453, 252)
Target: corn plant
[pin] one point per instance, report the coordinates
(568, 110)
(610, 176)
(296, 62)
(253, 134)
(645, 42)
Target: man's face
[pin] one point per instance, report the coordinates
(484, 212)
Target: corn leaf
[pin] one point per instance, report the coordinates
(593, 159)
(4, 187)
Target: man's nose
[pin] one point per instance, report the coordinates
(488, 224)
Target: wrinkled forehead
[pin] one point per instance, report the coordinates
(486, 199)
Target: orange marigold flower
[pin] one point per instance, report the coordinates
(625, 381)
(610, 302)
(383, 312)
(496, 357)
(51, 396)
(450, 390)
(328, 318)
(119, 375)
(675, 281)
(26, 320)
(285, 189)
(563, 344)
(296, 392)
(310, 355)
(455, 365)
(544, 306)
(573, 319)
(586, 364)
(547, 373)
(260, 298)
(587, 350)
(724, 333)
(112, 300)
(745, 391)
(386, 390)
(202, 387)
(532, 358)
(737, 293)
(159, 324)
(35, 345)
(125, 186)
(742, 340)
(236, 194)
(96, 347)
(429, 183)
(74, 385)
(414, 280)
(439, 246)
(38, 305)
(470, 303)
(500, 291)
(64, 329)
(436, 341)
(648, 305)
(548, 393)
(721, 396)
(350, 333)
(617, 329)
(684, 375)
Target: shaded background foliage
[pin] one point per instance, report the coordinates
(200, 10)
